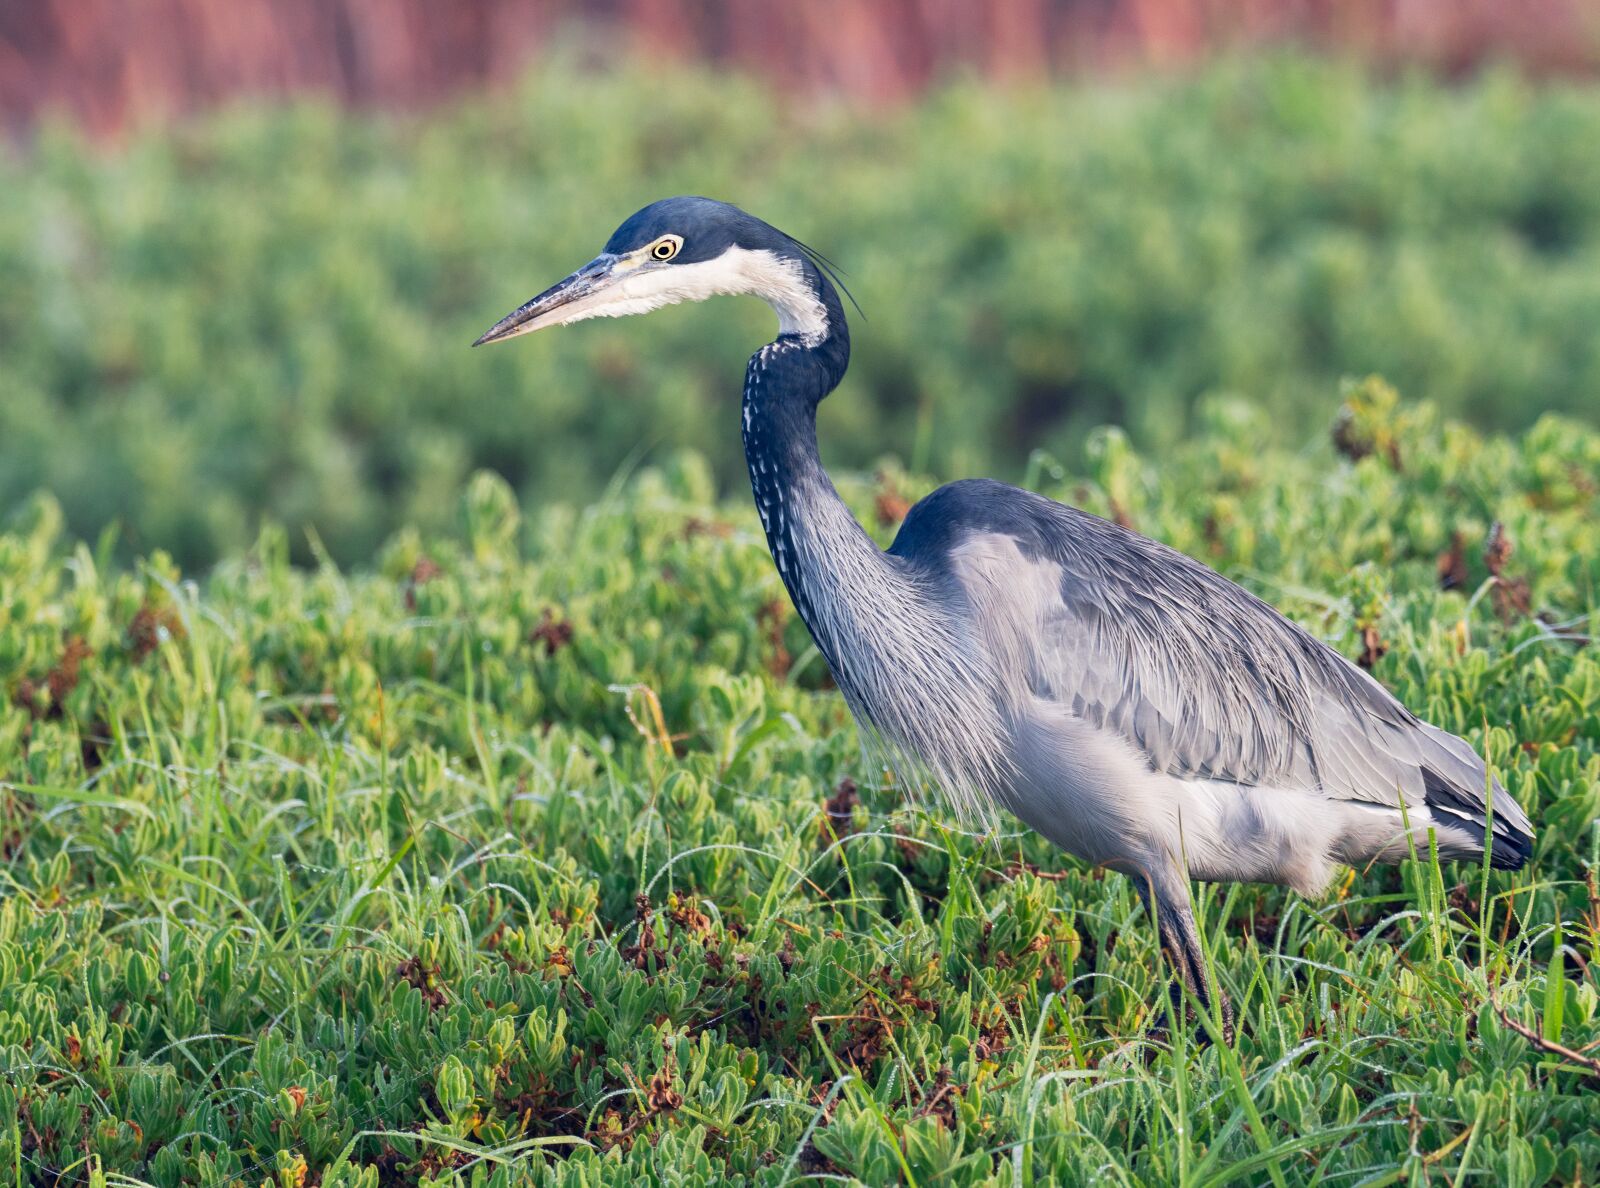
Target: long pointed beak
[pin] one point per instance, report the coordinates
(564, 301)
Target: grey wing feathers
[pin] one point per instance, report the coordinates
(1210, 682)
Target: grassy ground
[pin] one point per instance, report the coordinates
(540, 852)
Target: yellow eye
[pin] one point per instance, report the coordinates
(666, 247)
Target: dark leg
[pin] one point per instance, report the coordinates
(1180, 941)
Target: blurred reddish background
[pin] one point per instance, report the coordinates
(112, 64)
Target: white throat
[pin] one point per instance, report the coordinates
(778, 281)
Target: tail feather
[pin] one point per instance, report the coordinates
(1508, 833)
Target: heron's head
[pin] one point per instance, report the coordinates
(685, 249)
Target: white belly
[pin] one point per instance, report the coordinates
(1092, 794)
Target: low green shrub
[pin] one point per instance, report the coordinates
(540, 853)
(267, 312)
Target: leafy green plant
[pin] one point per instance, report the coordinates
(532, 853)
(266, 313)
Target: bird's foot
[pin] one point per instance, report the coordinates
(1159, 1033)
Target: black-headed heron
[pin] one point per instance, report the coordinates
(1130, 704)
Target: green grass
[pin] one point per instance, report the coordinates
(505, 858)
(272, 306)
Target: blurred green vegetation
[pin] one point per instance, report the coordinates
(268, 311)
(535, 853)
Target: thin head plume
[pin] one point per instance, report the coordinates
(832, 271)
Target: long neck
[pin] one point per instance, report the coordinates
(904, 664)
(809, 529)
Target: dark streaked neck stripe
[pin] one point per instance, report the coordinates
(899, 658)
(778, 416)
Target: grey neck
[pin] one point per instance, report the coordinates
(888, 632)
(809, 528)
